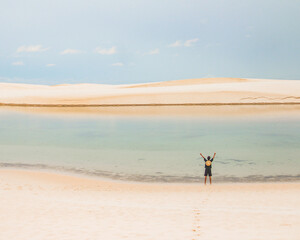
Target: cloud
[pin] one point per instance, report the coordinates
(106, 51)
(175, 44)
(24, 80)
(118, 64)
(50, 65)
(32, 48)
(20, 63)
(71, 51)
(153, 52)
(189, 43)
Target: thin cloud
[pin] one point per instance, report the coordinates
(118, 64)
(31, 48)
(71, 51)
(23, 80)
(20, 63)
(175, 44)
(153, 52)
(189, 43)
(106, 51)
(50, 65)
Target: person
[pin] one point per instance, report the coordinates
(208, 167)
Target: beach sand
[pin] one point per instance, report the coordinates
(40, 205)
(213, 91)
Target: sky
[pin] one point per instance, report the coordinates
(137, 41)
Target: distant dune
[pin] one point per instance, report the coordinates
(203, 91)
(194, 81)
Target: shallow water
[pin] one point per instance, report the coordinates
(153, 148)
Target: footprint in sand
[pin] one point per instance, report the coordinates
(197, 227)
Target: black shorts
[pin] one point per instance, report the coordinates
(207, 172)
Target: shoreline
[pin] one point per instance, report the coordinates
(224, 111)
(154, 180)
(62, 178)
(148, 105)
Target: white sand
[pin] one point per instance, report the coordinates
(190, 91)
(36, 205)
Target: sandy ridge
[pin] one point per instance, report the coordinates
(214, 91)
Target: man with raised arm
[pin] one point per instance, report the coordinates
(208, 167)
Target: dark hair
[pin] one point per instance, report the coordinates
(208, 158)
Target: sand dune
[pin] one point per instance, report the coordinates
(194, 81)
(39, 205)
(190, 91)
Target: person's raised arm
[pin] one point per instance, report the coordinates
(213, 156)
(202, 155)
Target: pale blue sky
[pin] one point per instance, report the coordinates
(122, 41)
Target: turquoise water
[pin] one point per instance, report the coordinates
(153, 148)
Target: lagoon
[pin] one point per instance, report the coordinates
(153, 148)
